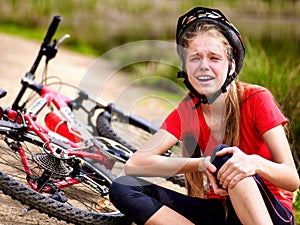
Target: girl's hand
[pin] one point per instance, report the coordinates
(213, 181)
(238, 167)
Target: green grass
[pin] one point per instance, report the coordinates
(103, 25)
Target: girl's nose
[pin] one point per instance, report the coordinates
(203, 64)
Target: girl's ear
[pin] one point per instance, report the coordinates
(232, 67)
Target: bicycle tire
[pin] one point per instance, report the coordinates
(111, 127)
(54, 208)
(121, 131)
(13, 182)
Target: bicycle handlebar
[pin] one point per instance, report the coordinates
(52, 29)
(46, 49)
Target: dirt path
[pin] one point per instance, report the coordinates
(16, 58)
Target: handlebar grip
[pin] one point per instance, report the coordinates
(52, 28)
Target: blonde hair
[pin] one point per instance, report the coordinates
(195, 180)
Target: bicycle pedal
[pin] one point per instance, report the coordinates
(103, 204)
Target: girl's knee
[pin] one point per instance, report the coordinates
(219, 161)
(122, 186)
(118, 184)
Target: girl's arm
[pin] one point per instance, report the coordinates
(281, 171)
(148, 160)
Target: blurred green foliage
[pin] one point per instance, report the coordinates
(103, 25)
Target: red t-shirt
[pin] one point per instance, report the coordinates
(259, 113)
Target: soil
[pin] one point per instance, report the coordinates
(16, 58)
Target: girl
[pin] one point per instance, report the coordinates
(251, 175)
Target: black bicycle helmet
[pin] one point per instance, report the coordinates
(214, 16)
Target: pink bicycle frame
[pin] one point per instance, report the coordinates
(48, 96)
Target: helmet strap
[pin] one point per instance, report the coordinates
(229, 78)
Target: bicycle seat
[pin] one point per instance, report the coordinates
(2, 93)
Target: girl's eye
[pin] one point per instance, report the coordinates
(194, 59)
(215, 58)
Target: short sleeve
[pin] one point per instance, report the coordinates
(172, 124)
(267, 114)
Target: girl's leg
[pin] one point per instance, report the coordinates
(249, 204)
(280, 215)
(253, 202)
(245, 196)
(145, 202)
(167, 216)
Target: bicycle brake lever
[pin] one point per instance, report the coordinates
(66, 36)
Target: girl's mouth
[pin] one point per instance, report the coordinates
(204, 78)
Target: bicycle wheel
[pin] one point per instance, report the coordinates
(130, 135)
(121, 130)
(70, 190)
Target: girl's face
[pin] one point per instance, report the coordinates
(207, 63)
